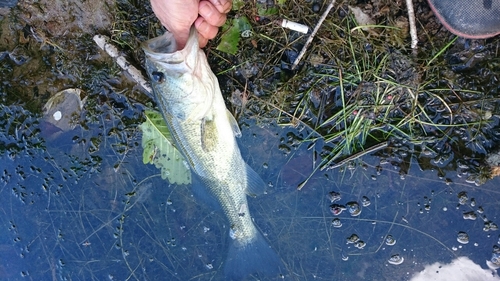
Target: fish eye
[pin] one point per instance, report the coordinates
(157, 76)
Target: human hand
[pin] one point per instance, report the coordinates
(179, 15)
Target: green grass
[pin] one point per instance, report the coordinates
(367, 88)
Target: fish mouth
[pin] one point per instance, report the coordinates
(163, 49)
(164, 44)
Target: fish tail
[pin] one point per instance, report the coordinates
(255, 257)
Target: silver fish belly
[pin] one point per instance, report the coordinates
(204, 131)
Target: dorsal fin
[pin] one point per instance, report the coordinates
(234, 124)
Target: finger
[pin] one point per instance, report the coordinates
(205, 29)
(211, 14)
(223, 6)
(181, 39)
(202, 41)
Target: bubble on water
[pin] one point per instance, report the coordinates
(365, 201)
(470, 215)
(285, 149)
(462, 198)
(493, 226)
(353, 208)
(473, 202)
(337, 209)
(352, 239)
(463, 237)
(495, 258)
(336, 223)
(360, 244)
(333, 196)
(351, 166)
(489, 225)
(396, 259)
(390, 240)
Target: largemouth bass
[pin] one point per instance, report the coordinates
(189, 97)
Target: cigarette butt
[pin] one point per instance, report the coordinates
(295, 26)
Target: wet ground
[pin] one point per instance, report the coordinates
(78, 203)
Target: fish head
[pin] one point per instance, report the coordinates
(182, 80)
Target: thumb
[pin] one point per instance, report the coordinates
(181, 37)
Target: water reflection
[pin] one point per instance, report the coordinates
(80, 216)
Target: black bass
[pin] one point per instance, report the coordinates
(189, 97)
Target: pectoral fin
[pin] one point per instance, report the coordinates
(208, 137)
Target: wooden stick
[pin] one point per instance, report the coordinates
(313, 33)
(105, 43)
(413, 27)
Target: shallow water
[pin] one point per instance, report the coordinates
(82, 206)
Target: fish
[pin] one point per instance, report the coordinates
(204, 131)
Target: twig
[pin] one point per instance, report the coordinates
(413, 27)
(104, 43)
(321, 167)
(313, 33)
(357, 155)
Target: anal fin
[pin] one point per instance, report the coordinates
(255, 184)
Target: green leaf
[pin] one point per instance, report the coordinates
(237, 4)
(264, 10)
(232, 33)
(242, 23)
(159, 149)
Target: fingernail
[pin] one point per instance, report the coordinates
(205, 10)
